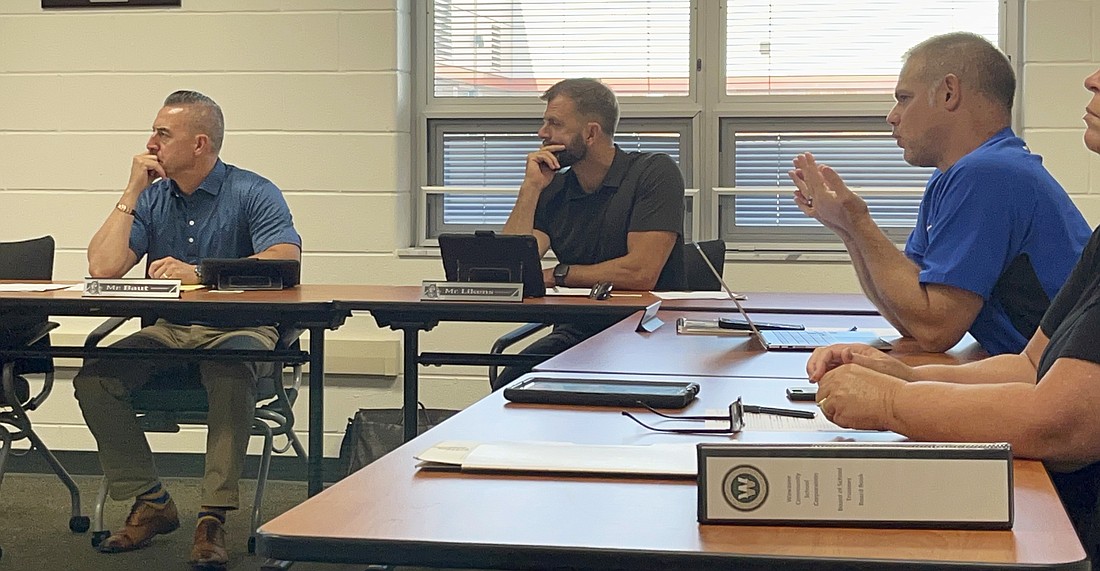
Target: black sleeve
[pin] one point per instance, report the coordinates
(1079, 279)
(660, 202)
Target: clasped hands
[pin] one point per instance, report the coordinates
(857, 384)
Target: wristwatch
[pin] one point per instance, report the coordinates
(560, 271)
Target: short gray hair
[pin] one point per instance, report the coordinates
(592, 98)
(971, 58)
(209, 119)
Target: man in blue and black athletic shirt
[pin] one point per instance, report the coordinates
(996, 236)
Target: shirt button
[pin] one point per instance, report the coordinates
(191, 240)
(190, 222)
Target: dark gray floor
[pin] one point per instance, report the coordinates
(34, 532)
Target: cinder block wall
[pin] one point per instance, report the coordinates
(317, 96)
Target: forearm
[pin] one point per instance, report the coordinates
(1053, 420)
(1009, 368)
(870, 289)
(936, 324)
(280, 252)
(522, 218)
(626, 272)
(944, 412)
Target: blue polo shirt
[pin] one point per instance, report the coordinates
(233, 214)
(997, 223)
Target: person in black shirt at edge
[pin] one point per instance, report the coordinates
(611, 215)
(1045, 401)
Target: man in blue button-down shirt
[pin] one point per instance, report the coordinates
(181, 205)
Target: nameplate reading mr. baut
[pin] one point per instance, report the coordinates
(471, 291)
(131, 288)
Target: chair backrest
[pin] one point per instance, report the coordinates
(27, 260)
(699, 276)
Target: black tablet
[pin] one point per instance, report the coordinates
(487, 257)
(250, 273)
(603, 392)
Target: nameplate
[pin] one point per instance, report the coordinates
(471, 291)
(131, 288)
(921, 485)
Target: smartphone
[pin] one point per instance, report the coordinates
(731, 323)
(802, 393)
(603, 392)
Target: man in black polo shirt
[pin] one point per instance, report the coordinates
(611, 216)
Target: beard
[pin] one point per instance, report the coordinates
(574, 152)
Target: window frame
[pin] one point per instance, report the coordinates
(707, 108)
(438, 128)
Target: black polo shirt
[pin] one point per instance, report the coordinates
(1073, 326)
(641, 192)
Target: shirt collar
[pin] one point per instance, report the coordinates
(611, 181)
(212, 184)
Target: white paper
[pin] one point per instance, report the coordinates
(573, 291)
(695, 295)
(654, 459)
(35, 287)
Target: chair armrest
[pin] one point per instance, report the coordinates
(39, 331)
(106, 328)
(288, 336)
(516, 335)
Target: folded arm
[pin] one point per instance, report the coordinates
(646, 254)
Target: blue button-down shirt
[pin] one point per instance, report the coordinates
(234, 213)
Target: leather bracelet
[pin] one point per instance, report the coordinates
(124, 209)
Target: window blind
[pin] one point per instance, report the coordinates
(498, 160)
(837, 46)
(521, 47)
(865, 160)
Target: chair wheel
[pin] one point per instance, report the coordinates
(99, 536)
(79, 523)
(252, 545)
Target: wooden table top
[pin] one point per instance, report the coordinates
(391, 513)
(620, 349)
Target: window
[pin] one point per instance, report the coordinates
(479, 167)
(732, 89)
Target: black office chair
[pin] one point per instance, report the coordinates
(177, 397)
(29, 260)
(699, 278)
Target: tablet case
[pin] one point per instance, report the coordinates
(250, 273)
(486, 257)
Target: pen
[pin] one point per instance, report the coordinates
(794, 413)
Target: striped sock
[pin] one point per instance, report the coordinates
(208, 511)
(155, 495)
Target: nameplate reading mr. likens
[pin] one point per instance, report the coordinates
(471, 291)
(94, 287)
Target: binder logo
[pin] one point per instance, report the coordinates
(745, 488)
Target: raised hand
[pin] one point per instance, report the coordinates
(822, 195)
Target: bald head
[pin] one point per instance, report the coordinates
(978, 65)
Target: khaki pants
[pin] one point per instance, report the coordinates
(103, 388)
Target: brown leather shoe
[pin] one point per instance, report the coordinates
(209, 552)
(145, 521)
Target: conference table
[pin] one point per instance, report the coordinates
(400, 309)
(309, 307)
(622, 349)
(392, 513)
(316, 308)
